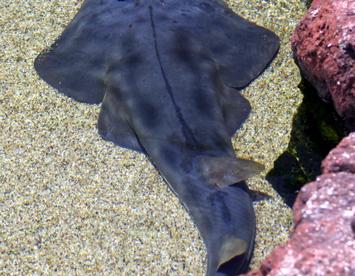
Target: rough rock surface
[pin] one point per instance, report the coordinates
(342, 158)
(323, 239)
(324, 48)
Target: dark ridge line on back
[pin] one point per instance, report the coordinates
(186, 130)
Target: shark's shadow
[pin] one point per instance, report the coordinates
(316, 129)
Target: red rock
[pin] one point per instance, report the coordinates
(323, 238)
(323, 241)
(324, 48)
(342, 158)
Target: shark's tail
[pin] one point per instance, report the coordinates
(225, 218)
(221, 210)
(226, 221)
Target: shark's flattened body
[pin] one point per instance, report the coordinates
(163, 70)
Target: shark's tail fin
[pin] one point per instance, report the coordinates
(222, 211)
(229, 256)
(226, 220)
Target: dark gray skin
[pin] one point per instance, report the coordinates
(164, 71)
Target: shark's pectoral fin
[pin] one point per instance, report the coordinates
(114, 127)
(224, 171)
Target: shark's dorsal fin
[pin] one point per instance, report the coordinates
(224, 171)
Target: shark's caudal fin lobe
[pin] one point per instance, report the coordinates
(224, 171)
(228, 257)
(226, 221)
(228, 249)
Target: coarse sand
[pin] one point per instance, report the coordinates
(72, 203)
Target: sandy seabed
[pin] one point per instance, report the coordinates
(71, 203)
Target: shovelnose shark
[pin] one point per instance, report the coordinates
(168, 73)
